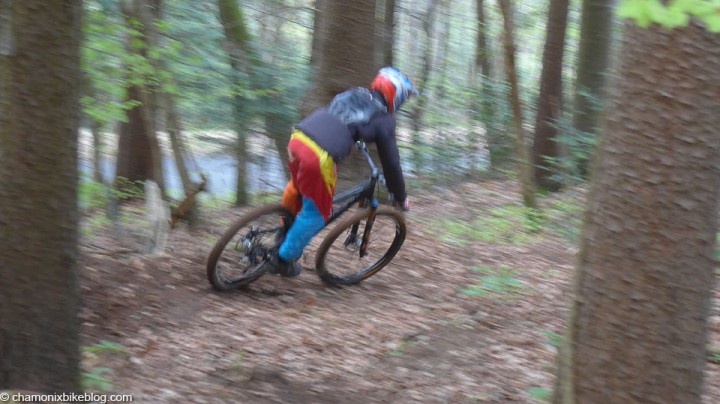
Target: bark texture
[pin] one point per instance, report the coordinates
(343, 57)
(139, 155)
(525, 169)
(592, 65)
(241, 57)
(39, 119)
(344, 50)
(545, 148)
(645, 273)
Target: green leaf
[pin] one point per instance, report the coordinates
(553, 338)
(712, 23)
(630, 9)
(540, 393)
(137, 43)
(699, 8)
(473, 291)
(162, 26)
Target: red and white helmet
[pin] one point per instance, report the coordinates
(394, 86)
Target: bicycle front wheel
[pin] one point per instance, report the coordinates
(339, 259)
(239, 256)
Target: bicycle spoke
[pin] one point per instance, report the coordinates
(239, 255)
(340, 259)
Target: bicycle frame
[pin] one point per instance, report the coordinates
(362, 193)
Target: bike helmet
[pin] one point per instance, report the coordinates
(394, 86)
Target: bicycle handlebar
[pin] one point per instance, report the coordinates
(375, 173)
(373, 168)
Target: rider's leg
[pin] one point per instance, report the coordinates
(291, 198)
(314, 175)
(307, 224)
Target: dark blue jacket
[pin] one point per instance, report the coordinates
(338, 140)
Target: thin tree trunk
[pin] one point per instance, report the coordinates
(525, 168)
(95, 128)
(418, 111)
(593, 62)
(241, 57)
(188, 208)
(174, 130)
(546, 148)
(483, 109)
(279, 119)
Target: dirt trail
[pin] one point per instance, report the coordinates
(406, 335)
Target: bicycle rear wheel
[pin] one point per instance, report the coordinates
(338, 260)
(239, 255)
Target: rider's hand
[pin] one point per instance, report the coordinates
(405, 205)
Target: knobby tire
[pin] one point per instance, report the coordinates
(214, 277)
(329, 275)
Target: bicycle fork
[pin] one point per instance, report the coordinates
(368, 228)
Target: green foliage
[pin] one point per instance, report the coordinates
(540, 393)
(503, 281)
(511, 224)
(95, 379)
(508, 224)
(713, 355)
(126, 189)
(564, 216)
(553, 338)
(572, 167)
(105, 347)
(93, 195)
(674, 14)
(104, 98)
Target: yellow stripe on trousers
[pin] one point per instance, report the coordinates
(327, 164)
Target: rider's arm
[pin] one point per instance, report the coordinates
(381, 130)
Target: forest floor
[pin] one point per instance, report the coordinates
(471, 310)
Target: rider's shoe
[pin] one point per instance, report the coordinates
(283, 268)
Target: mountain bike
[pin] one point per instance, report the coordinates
(355, 249)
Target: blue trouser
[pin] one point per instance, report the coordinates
(308, 222)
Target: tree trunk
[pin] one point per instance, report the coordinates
(385, 33)
(174, 130)
(318, 42)
(525, 167)
(345, 42)
(592, 65)
(418, 112)
(241, 57)
(483, 108)
(280, 116)
(135, 160)
(95, 128)
(139, 155)
(39, 122)
(646, 266)
(546, 147)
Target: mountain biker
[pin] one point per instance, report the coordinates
(322, 140)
